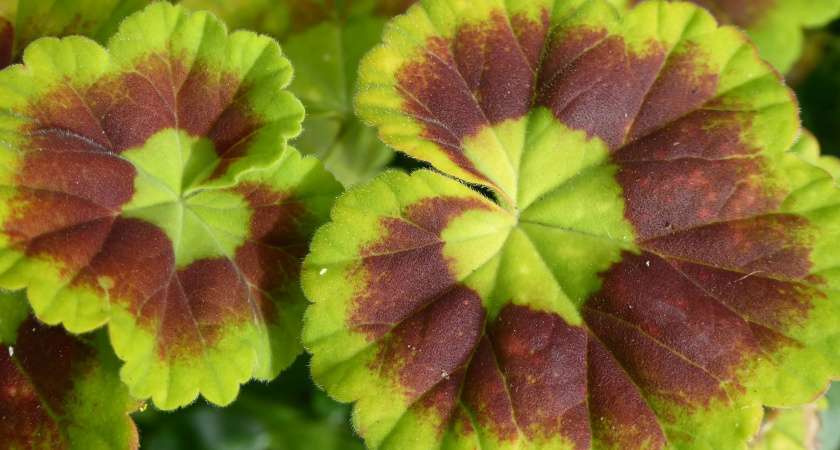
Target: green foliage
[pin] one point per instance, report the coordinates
(626, 240)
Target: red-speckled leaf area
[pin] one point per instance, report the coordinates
(150, 187)
(655, 269)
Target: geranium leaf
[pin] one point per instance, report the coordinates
(775, 25)
(325, 40)
(150, 186)
(58, 390)
(655, 269)
(21, 22)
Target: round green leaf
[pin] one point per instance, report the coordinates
(656, 268)
(150, 186)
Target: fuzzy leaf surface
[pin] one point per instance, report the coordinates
(22, 21)
(149, 186)
(58, 390)
(656, 266)
(776, 26)
(325, 40)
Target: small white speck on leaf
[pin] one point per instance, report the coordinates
(444, 374)
(647, 263)
(323, 271)
(631, 306)
(11, 352)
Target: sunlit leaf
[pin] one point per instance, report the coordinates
(23, 21)
(150, 187)
(57, 390)
(325, 40)
(655, 269)
(775, 25)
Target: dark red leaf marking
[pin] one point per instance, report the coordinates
(660, 374)
(7, 43)
(436, 94)
(486, 396)
(618, 414)
(601, 90)
(495, 68)
(743, 13)
(682, 86)
(771, 245)
(102, 179)
(192, 305)
(485, 77)
(543, 360)
(441, 399)
(436, 341)
(63, 196)
(664, 307)
(772, 341)
(121, 112)
(531, 38)
(72, 247)
(702, 134)
(761, 299)
(413, 249)
(35, 384)
(564, 47)
(271, 258)
(662, 197)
